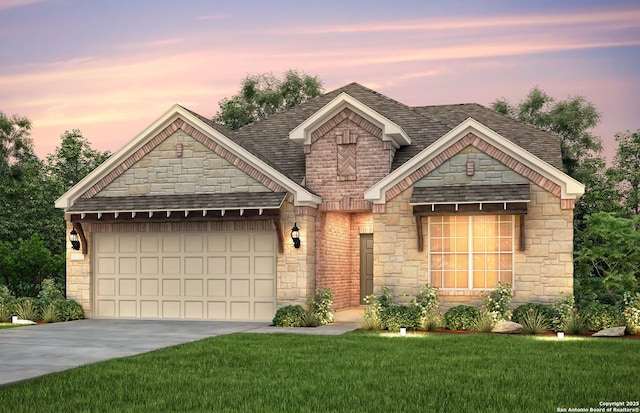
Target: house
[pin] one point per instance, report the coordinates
(192, 221)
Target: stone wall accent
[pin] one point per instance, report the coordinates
(542, 271)
(486, 171)
(198, 136)
(198, 170)
(341, 176)
(484, 147)
(79, 272)
(296, 267)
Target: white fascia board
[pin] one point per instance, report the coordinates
(390, 130)
(301, 195)
(571, 189)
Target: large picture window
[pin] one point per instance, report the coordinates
(471, 252)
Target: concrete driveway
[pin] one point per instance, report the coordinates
(32, 351)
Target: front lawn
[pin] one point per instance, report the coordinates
(358, 372)
(9, 325)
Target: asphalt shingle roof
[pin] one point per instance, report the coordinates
(249, 200)
(269, 139)
(470, 193)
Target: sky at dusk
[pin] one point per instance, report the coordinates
(112, 67)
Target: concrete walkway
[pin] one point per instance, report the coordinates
(33, 351)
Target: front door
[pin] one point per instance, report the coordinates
(366, 266)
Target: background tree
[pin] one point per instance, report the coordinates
(263, 95)
(571, 119)
(626, 169)
(73, 159)
(15, 141)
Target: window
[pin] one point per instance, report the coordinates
(471, 252)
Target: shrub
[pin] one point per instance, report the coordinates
(5, 313)
(396, 316)
(561, 310)
(534, 322)
(427, 300)
(461, 317)
(26, 309)
(432, 322)
(632, 312)
(484, 323)
(497, 302)
(310, 318)
(289, 316)
(372, 314)
(320, 306)
(50, 292)
(50, 314)
(598, 316)
(69, 310)
(523, 310)
(574, 324)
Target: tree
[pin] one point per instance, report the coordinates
(571, 119)
(15, 139)
(73, 159)
(607, 264)
(261, 96)
(626, 169)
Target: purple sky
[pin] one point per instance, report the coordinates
(111, 67)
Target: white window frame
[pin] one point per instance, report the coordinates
(470, 253)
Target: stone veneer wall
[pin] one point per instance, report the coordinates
(296, 268)
(542, 271)
(79, 273)
(198, 171)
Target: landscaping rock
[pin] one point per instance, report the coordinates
(507, 327)
(26, 322)
(610, 332)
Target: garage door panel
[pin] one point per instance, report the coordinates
(149, 309)
(240, 265)
(171, 287)
(128, 244)
(192, 275)
(193, 288)
(194, 309)
(217, 310)
(127, 287)
(240, 310)
(149, 287)
(128, 308)
(128, 265)
(217, 288)
(171, 265)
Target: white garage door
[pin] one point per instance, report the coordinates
(190, 275)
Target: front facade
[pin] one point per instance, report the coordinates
(192, 221)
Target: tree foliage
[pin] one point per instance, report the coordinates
(263, 95)
(606, 265)
(626, 169)
(73, 159)
(571, 119)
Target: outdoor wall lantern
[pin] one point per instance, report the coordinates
(75, 239)
(295, 235)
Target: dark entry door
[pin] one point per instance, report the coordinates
(366, 266)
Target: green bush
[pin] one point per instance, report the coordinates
(5, 313)
(289, 316)
(50, 314)
(562, 310)
(372, 314)
(632, 312)
(69, 310)
(27, 309)
(597, 316)
(427, 300)
(484, 323)
(522, 310)
(497, 302)
(461, 317)
(321, 306)
(50, 292)
(574, 324)
(396, 316)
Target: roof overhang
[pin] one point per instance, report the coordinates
(481, 198)
(302, 197)
(570, 188)
(390, 130)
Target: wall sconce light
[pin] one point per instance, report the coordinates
(295, 235)
(75, 239)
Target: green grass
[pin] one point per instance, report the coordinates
(358, 372)
(9, 325)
